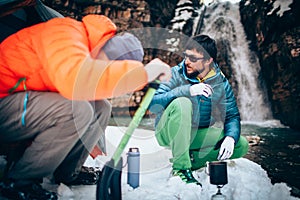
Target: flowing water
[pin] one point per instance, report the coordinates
(278, 152)
(222, 22)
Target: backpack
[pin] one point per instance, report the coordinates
(16, 15)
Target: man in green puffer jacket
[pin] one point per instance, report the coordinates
(187, 107)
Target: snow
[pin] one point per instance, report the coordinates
(283, 5)
(246, 179)
(272, 123)
(182, 14)
(210, 2)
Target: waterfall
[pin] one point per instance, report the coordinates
(222, 22)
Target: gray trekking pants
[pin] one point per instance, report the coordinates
(63, 132)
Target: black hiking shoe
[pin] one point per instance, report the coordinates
(31, 191)
(87, 176)
(186, 176)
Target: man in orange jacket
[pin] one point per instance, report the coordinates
(55, 79)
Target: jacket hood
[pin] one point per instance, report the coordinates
(99, 29)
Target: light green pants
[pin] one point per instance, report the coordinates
(190, 148)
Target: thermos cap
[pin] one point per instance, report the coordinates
(134, 149)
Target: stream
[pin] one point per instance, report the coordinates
(278, 152)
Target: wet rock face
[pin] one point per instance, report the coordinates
(126, 14)
(274, 34)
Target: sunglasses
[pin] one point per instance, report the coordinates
(192, 58)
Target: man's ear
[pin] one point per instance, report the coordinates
(209, 61)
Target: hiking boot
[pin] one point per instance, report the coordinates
(87, 176)
(186, 176)
(30, 191)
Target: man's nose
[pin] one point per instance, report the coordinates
(187, 60)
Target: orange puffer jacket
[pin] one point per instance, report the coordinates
(58, 56)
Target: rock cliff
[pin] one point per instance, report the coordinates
(273, 29)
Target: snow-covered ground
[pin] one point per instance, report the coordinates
(246, 179)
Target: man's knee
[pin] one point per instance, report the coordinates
(82, 110)
(245, 145)
(103, 107)
(83, 115)
(181, 103)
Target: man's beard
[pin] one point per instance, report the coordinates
(193, 74)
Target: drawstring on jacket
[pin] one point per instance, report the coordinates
(25, 99)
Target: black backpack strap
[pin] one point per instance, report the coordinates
(45, 12)
(10, 24)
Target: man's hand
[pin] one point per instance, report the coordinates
(226, 149)
(158, 69)
(201, 89)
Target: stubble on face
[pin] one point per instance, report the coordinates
(191, 73)
(193, 69)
